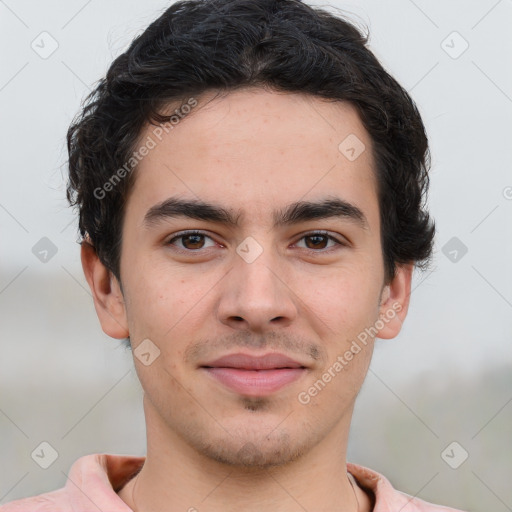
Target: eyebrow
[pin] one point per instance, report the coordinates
(294, 213)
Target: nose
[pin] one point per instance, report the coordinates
(255, 296)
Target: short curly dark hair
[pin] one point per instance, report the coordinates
(197, 46)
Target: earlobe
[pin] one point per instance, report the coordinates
(106, 293)
(395, 303)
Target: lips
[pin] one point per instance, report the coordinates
(254, 375)
(248, 362)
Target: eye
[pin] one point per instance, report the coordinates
(191, 240)
(319, 239)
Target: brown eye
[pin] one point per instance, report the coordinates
(319, 241)
(316, 241)
(191, 241)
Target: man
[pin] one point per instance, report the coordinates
(250, 185)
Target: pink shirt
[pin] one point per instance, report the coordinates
(93, 481)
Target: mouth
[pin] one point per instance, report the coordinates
(255, 375)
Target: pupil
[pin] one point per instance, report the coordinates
(195, 239)
(319, 239)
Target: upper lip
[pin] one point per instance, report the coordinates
(250, 362)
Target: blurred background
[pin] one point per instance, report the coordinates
(435, 413)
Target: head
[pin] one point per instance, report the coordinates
(271, 130)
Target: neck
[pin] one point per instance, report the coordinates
(175, 477)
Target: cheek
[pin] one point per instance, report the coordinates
(345, 306)
(150, 306)
(165, 307)
(344, 301)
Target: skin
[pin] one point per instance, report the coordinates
(252, 151)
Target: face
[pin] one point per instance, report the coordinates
(252, 271)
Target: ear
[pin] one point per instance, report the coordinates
(394, 303)
(106, 292)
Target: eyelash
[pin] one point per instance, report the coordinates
(313, 233)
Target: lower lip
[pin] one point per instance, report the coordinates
(255, 382)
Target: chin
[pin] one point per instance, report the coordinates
(257, 442)
(254, 454)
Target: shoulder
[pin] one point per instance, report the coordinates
(386, 497)
(418, 505)
(92, 485)
(54, 501)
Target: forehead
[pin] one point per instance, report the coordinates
(254, 149)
